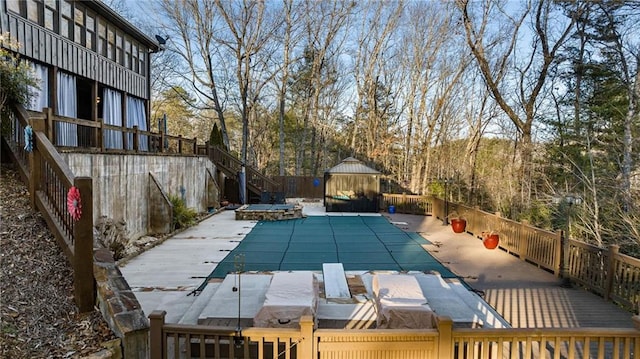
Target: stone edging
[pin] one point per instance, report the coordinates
(119, 306)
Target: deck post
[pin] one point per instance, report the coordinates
(156, 342)
(523, 239)
(136, 139)
(306, 345)
(162, 139)
(445, 338)
(611, 266)
(49, 128)
(557, 266)
(37, 125)
(83, 248)
(100, 135)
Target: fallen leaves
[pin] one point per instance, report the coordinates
(39, 318)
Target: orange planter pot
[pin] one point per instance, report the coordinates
(458, 225)
(491, 241)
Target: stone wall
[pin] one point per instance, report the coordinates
(246, 213)
(119, 306)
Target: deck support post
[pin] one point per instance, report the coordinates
(445, 337)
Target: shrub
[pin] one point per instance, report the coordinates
(183, 216)
(16, 77)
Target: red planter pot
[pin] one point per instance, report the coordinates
(458, 225)
(491, 240)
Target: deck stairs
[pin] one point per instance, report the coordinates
(257, 183)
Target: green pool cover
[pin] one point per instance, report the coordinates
(358, 242)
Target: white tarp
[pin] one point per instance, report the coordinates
(290, 296)
(401, 303)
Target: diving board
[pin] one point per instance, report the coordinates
(335, 281)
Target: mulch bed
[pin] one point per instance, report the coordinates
(39, 318)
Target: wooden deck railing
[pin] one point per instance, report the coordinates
(203, 341)
(410, 204)
(91, 136)
(613, 275)
(49, 180)
(445, 341)
(604, 271)
(231, 166)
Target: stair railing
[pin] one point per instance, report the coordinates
(49, 180)
(231, 166)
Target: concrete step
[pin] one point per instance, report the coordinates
(191, 314)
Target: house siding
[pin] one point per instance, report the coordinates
(37, 43)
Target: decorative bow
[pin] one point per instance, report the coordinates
(28, 138)
(74, 204)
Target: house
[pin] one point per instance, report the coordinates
(91, 63)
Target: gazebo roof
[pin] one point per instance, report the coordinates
(353, 166)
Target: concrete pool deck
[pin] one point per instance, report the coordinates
(524, 295)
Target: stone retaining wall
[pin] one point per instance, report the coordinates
(119, 306)
(244, 213)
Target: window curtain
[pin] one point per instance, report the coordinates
(112, 115)
(136, 116)
(40, 94)
(67, 133)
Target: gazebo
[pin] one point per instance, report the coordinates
(351, 186)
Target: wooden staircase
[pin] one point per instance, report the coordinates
(257, 183)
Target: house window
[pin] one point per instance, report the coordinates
(102, 38)
(119, 52)
(34, 8)
(90, 35)
(111, 40)
(141, 68)
(134, 59)
(51, 15)
(78, 19)
(127, 52)
(14, 5)
(65, 20)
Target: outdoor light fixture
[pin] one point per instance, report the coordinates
(238, 339)
(445, 217)
(238, 263)
(570, 199)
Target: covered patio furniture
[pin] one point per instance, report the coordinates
(290, 296)
(401, 303)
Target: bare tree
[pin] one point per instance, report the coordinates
(373, 81)
(499, 60)
(289, 40)
(325, 23)
(191, 25)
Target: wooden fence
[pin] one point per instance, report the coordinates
(49, 180)
(91, 136)
(443, 342)
(300, 186)
(411, 204)
(604, 271)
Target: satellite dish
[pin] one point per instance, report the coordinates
(161, 40)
